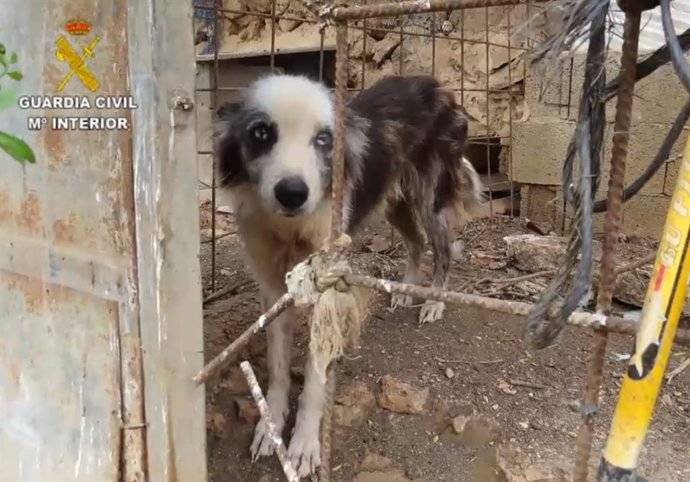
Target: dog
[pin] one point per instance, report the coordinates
(404, 140)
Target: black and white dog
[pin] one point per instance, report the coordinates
(404, 142)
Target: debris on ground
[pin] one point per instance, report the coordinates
(517, 466)
(247, 411)
(498, 394)
(377, 468)
(217, 422)
(401, 397)
(475, 430)
(532, 253)
(353, 404)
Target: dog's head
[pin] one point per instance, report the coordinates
(279, 141)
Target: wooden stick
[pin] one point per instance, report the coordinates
(678, 370)
(273, 435)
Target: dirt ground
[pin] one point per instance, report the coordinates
(492, 410)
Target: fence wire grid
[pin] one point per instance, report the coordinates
(237, 45)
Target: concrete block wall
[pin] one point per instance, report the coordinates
(540, 142)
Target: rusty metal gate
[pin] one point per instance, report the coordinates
(100, 302)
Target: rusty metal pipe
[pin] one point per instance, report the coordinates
(612, 226)
(415, 6)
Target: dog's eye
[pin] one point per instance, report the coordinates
(324, 139)
(260, 132)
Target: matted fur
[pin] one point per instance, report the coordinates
(404, 144)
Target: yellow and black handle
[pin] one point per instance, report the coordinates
(654, 339)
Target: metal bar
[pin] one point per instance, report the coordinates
(273, 435)
(271, 314)
(408, 33)
(511, 113)
(660, 315)
(415, 6)
(510, 92)
(612, 226)
(364, 51)
(327, 425)
(487, 86)
(165, 181)
(273, 37)
(463, 89)
(338, 170)
(214, 106)
(578, 318)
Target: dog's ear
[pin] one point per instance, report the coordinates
(227, 145)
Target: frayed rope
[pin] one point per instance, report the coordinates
(338, 310)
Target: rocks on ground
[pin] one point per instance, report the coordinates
(401, 397)
(353, 404)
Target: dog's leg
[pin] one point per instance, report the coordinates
(400, 216)
(438, 229)
(305, 448)
(279, 354)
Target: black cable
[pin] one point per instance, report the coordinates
(658, 161)
(675, 50)
(650, 64)
(573, 278)
(676, 45)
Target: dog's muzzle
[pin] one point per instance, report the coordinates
(291, 193)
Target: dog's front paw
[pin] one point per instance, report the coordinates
(261, 446)
(431, 311)
(398, 300)
(305, 450)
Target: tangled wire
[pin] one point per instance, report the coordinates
(573, 280)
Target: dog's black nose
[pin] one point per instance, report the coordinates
(291, 192)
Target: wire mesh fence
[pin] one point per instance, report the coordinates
(473, 52)
(481, 60)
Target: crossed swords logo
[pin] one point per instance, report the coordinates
(65, 53)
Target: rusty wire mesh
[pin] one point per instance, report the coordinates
(400, 32)
(258, 40)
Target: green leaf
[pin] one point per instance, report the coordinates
(13, 58)
(8, 98)
(17, 148)
(15, 75)
(3, 60)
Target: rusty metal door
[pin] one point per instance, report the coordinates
(100, 300)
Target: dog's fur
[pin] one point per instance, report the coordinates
(404, 142)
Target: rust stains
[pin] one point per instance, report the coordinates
(5, 208)
(29, 216)
(32, 289)
(65, 230)
(54, 147)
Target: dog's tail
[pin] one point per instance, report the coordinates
(470, 200)
(471, 196)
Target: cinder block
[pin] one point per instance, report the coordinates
(643, 144)
(644, 214)
(539, 204)
(658, 97)
(539, 147)
(546, 90)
